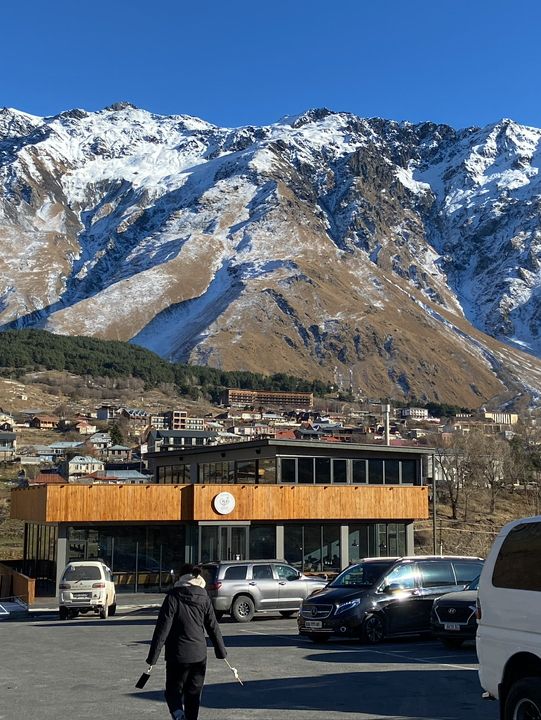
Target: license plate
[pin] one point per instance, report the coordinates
(314, 624)
(82, 596)
(451, 626)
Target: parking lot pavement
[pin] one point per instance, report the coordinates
(87, 667)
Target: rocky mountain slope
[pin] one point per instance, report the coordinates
(401, 259)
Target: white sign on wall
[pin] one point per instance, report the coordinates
(224, 503)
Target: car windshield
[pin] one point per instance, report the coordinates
(74, 573)
(364, 574)
(474, 585)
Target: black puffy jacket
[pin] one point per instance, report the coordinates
(184, 616)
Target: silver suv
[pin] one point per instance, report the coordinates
(246, 587)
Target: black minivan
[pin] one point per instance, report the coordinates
(382, 597)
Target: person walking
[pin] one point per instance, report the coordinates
(184, 616)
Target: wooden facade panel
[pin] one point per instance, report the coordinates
(309, 502)
(159, 503)
(99, 503)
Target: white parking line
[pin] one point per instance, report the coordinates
(390, 653)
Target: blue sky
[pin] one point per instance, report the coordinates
(238, 62)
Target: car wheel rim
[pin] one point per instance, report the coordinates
(526, 709)
(374, 629)
(243, 609)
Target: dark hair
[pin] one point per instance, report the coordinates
(189, 569)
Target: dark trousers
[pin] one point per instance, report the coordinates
(183, 687)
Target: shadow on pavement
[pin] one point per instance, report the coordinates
(419, 694)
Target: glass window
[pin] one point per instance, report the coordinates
(312, 548)
(358, 543)
(466, 571)
(436, 574)
(323, 471)
(331, 547)
(409, 472)
(293, 544)
(73, 573)
(236, 572)
(287, 470)
(262, 572)
(403, 576)
(375, 472)
(286, 572)
(391, 472)
(517, 565)
(246, 472)
(266, 472)
(339, 471)
(262, 542)
(305, 469)
(209, 543)
(359, 472)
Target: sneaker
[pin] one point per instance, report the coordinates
(178, 715)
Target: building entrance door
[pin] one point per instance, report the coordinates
(223, 542)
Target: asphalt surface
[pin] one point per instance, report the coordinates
(86, 669)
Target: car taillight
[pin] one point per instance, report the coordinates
(64, 586)
(98, 585)
(215, 586)
(478, 612)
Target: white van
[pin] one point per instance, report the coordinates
(86, 586)
(509, 621)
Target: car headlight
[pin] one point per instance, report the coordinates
(344, 607)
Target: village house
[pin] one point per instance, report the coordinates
(80, 466)
(8, 445)
(44, 422)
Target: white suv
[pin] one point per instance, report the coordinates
(509, 621)
(86, 586)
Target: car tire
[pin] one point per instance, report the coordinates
(104, 612)
(374, 629)
(63, 613)
(112, 608)
(72, 614)
(288, 613)
(523, 701)
(242, 609)
(452, 643)
(319, 637)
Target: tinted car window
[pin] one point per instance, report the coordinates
(209, 573)
(262, 572)
(517, 565)
(436, 574)
(466, 572)
(286, 572)
(236, 572)
(361, 575)
(401, 575)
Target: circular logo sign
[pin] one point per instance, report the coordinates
(224, 503)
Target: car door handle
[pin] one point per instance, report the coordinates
(251, 583)
(282, 582)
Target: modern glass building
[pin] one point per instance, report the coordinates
(317, 505)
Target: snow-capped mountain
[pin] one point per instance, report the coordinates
(401, 259)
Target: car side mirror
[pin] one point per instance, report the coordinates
(294, 577)
(391, 588)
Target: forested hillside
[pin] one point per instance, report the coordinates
(22, 351)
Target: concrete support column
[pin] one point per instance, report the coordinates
(61, 552)
(280, 547)
(410, 541)
(344, 546)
